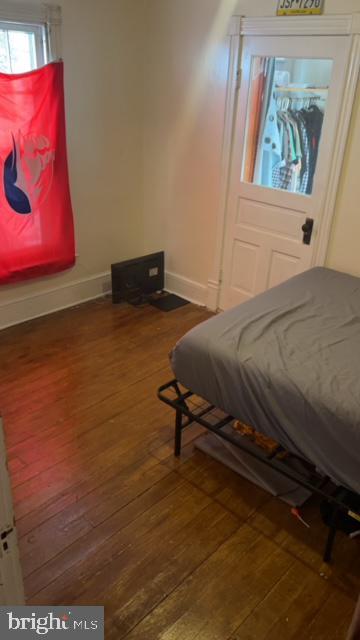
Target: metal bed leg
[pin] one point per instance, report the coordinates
(329, 544)
(185, 417)
(178, 432)
(331, 536)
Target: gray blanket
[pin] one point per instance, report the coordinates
(288, 363)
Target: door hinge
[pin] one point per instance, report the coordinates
(238, 79)
(3, 537)
(6, 533)
(220, 276)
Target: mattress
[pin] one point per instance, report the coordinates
(287, 362)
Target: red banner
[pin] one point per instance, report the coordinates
(36, 220)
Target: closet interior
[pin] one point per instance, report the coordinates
(286, 109)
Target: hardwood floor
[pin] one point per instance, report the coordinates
(173, 548)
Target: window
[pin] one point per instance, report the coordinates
(22, 47)
(29, 36)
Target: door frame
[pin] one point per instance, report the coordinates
(11, 580)
(336, 25)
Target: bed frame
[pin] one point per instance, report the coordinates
(187, 413)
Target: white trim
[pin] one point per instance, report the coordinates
(30, 13)
(213, 295)
(186, 288)
(51, 300)
(11, 581)
(6, 505)
(232, 84)
(340, 25)
(18, 12)
(326, 221)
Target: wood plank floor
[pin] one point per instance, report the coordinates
(173, 548)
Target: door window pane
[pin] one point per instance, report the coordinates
(286, 107)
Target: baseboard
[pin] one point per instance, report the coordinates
(188, 289)
(51, 300)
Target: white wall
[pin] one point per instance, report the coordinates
(185, 81)
(343, 251)
(184, 109)
(103, 60)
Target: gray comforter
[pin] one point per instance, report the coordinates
(288, 363)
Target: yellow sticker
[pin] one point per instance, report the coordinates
(300, 7)
(354, 515)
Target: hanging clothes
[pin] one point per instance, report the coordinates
(286, 174)
(299, 134)
(283, 133)
(305, 149)
(313, 118)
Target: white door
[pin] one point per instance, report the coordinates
(11, 582)
(287, 110)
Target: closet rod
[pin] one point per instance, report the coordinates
(302, 89)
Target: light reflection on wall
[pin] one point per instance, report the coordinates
(210, 70)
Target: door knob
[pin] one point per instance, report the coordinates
(307, 230)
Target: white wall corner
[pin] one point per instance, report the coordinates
(228, 132)
(53, 21)
(186, 288)
(51, 300)
(53, 13)
(234, 26)
(338, 155)
(356, 24)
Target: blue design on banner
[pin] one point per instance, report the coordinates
(17, 199)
